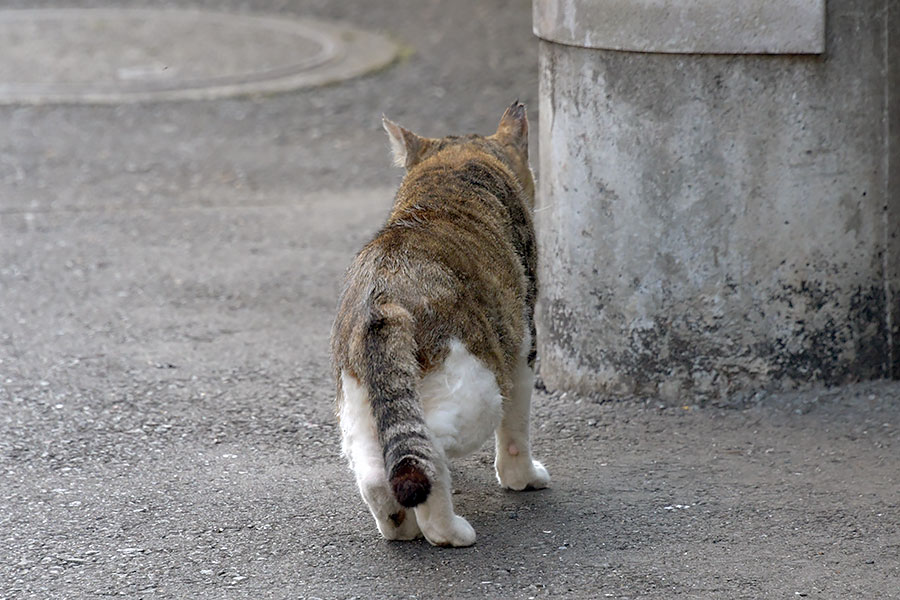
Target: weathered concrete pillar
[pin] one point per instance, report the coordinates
(719, 200)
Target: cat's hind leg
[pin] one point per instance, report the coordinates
(361, 447)
(515, 467)
(393, 521)
(439, 524)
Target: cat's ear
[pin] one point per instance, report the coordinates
(407, 147)
(513, 128)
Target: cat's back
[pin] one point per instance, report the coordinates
(450, 253)
(460, 199)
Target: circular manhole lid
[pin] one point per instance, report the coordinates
(134, 55)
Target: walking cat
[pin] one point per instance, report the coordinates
(434, 340)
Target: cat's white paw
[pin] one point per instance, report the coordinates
(519, 473)
(458, 533)
(401, 525)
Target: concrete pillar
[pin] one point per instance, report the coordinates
(719, 194)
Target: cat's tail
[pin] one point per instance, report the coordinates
(392, 372)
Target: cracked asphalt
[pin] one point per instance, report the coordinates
(168, 275)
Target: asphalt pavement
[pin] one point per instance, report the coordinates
(168, 276)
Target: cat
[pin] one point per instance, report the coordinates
(433, 345)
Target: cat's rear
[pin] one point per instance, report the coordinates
(433, 344)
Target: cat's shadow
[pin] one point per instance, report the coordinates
(503, 519)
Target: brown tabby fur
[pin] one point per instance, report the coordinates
(456, 259)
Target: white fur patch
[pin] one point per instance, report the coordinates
(462, 402)
(360, 445)
(359, 440)
(515, 468)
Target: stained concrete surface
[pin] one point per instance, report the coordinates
(732, 233)
(167, 279)
(685, 26)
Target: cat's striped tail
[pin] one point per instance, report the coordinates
(391, 376)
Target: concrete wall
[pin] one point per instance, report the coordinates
(892, 205)
(719, 222)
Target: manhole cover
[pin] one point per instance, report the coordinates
(132, 55)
